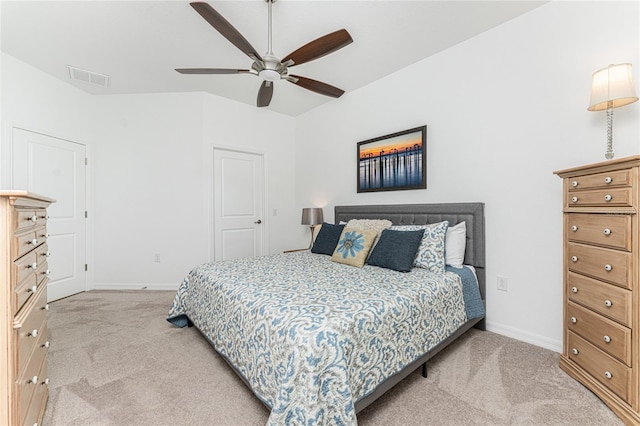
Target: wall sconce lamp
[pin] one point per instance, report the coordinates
(612, 87)
(312, 217)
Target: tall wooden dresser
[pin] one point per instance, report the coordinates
(23, 307)
(601, 282)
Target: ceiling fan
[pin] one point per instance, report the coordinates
(268, 66)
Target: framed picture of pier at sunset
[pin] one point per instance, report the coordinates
(393, 162)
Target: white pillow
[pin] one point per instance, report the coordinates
(455, 245)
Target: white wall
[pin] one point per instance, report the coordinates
(38, 102)
(503, 110)
(153, 159)
(261, 131)
(150, 169)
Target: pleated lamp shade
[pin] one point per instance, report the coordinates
(612, 87)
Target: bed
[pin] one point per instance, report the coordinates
(318, 341)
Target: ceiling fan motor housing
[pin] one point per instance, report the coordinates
(270, 68)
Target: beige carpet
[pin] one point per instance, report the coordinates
(114, 360)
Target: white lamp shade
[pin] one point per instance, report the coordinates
(612, 87)
(312, 216)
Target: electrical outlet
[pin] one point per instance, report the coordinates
(503, 283)
(156, 257)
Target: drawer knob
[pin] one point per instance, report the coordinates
(47, 254)
(607, 339)
(608, 303)
(46, 344)
(608, 267)
(46, 307)
(608, 375)
(34, 333)
(608, 197)
(575, 351)
(33, 289)
(33, 380)
(33, 242)
(574, 183)
(574, 320)
(33, 218)
(47, 272)
(46, 381)
(608, 180)
(574, 289)
(574, 199)
(574, 258)
(34, 265)
(45, 236)
(607, 231)
(45, 217)
(574, 228)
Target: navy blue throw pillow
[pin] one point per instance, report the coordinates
(396, 250)
(327, 239)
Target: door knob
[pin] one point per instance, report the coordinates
(258, 221)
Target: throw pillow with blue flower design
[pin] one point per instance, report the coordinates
(353, 246)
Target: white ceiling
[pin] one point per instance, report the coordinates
(139, 43)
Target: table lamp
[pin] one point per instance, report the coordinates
(312, 216)
(612, 87)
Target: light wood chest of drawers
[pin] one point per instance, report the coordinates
(601, 346)
(23, 307)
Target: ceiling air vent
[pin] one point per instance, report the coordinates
(90, 77)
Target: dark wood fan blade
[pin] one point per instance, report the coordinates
(227, 30)
(320, 47)
(210, 71)
(318, 86)
(265, 93)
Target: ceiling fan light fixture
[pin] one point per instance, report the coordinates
(269, 75)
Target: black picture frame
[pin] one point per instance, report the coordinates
(393, 162)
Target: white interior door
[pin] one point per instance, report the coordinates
(56, 168)
(238, 182)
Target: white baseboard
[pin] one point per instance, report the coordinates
(135, 286)
(534, 339)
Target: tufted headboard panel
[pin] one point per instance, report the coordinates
(422, 214)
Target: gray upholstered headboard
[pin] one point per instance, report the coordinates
(421, 214)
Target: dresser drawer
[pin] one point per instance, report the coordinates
(611, 373)
(614, 197)
(609, 300)
(42, 235)
(24, 243)
(22, 293)
(32, 331)
(41, 217)
(609, 336)
(34, 377)
(600, 229)
(24, 219)
(615, 178)
(24, 269)
(42, 253)
(610, 265)
(42, 272)
(39, 400)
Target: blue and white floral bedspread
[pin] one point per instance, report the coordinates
(312, 336)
